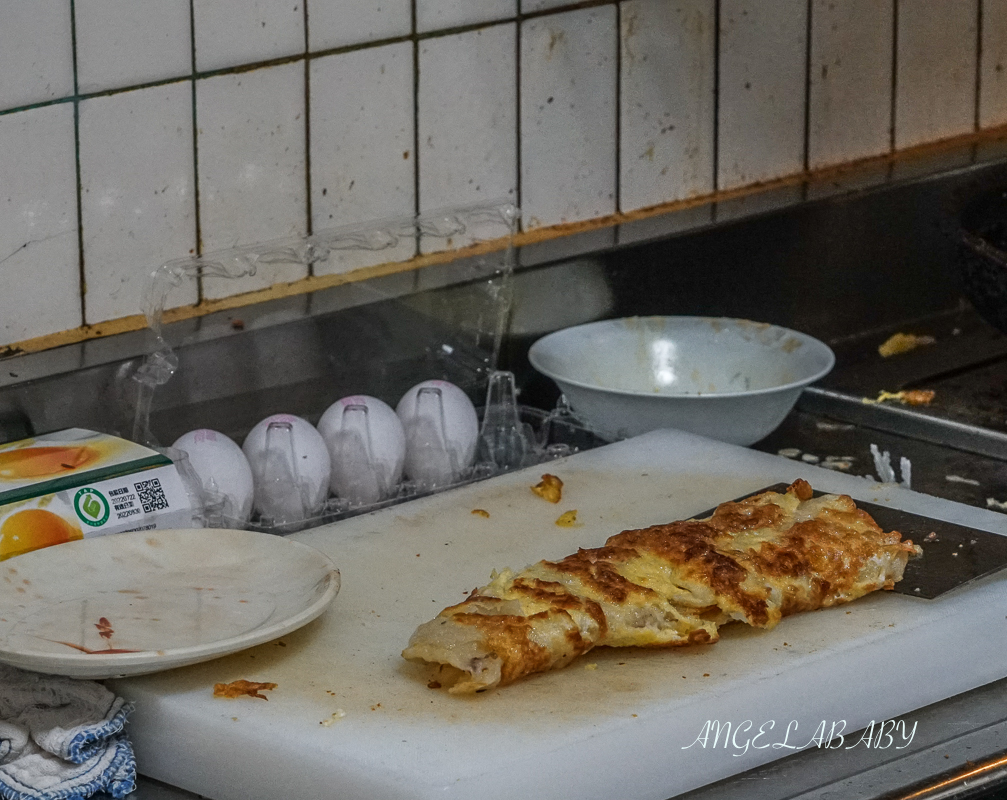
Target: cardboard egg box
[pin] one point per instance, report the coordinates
(76, 484)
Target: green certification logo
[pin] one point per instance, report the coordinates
(92, 507)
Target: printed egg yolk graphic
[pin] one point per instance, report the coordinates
(43, 462)
(32, 529)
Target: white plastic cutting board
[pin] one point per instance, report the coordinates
(613, 726)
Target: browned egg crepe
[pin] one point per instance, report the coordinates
(753, 561)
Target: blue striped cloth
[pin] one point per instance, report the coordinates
(62, 739)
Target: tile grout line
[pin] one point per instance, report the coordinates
(979, 63)
(309, 300)
(618, 106)
(309, 212)
(715, 143)
(197, 210)
(518, 183)
(807, 94)
(895, 74)
(562, 9)
(41, 104)
(81, 274)
(235, 70)
(417, 236)
(894, 87)
(413, 14)
(977, 122)
(255, 65)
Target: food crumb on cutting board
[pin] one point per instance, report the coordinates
(568, 519)
(242, 688)
(549, 488)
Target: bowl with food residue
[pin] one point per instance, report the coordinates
(729, 379)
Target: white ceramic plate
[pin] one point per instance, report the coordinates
(133, 603)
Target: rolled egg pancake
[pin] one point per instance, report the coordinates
(753, 561)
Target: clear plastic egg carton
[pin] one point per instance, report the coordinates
(501, 435)
(511, 437)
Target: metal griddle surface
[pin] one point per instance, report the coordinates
(953, 555)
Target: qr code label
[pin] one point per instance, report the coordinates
(151, 495)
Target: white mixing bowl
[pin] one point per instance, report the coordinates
(729, 379)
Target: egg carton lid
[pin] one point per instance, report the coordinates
(483, 231)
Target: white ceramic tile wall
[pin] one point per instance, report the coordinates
(531, 6)
(124, 43)
(993, 67)
(763, 54)
(39, 265)
(252, 185)
(850, 72)
(36, 52)
(667, 100)
(568, 106)
(335, 23)
(467, 118)
(137, 211)
(568, 116)
(936, 70)
(434, 15)
(362, 142)
(232, 32)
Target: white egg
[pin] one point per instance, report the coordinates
(222, 469)
(290, 465)
(367, 445)
(441, 432)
